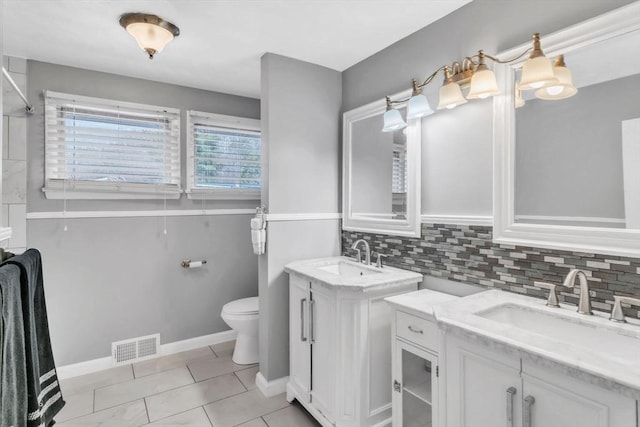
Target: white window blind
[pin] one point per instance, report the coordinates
(99, 148)
(399, 177)
(224, 156)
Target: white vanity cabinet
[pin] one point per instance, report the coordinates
(497, 388)
(415, 385)
(417, 391)
(340, 350)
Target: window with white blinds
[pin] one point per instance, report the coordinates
(99, 148)
(223, 156)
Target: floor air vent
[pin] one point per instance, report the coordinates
(135, 349)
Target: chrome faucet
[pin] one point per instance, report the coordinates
(584, 304)
(367, 252)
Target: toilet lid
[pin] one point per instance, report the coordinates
(242, 306)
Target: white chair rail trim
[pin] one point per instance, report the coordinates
(136, 214)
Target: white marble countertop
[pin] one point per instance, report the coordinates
(420, 303)
(383, 278)
(597, 362)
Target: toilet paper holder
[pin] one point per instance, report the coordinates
(187, 263)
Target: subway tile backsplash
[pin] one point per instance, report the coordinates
(467, 254)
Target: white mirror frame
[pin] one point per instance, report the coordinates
(410, 226)
(623, 242)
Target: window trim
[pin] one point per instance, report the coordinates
(93, 190)
(223, 121)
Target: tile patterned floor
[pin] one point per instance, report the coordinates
(198, 388)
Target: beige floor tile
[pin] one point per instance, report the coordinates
(224, 348)
(243, 407)
(131, 414)
(258, 422)
(191, 396)
(89, 382)
(209, 368)
(293, 415)
(116, 394)
(171, 361)
(193, 418)
(76, 405)
(248, 377)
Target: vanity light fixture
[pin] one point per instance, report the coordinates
(418, 105)
(564, 88)
(392, 119)
(150, 31)
(550, 82)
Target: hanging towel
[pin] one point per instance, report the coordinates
(258, 233)
(44, 395)
(13, 381)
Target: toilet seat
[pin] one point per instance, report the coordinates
(245, 306)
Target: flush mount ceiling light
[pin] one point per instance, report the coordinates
(550, 82)
(150, 31)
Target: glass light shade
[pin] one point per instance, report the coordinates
(483, 84)
(393, 121)
(418, 106)
(536, 73)
(561, 90)
(150, 36)
(450, 96)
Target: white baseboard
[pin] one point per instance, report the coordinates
(271, 388)
(103, 363)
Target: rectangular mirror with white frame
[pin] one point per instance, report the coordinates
(381, 173)
(567, 172)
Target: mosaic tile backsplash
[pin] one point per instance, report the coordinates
(467, 254)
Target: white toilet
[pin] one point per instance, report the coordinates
(242, 316)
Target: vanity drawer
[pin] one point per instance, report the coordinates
(417, 330)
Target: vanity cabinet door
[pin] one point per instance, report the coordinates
(415, 387)
(560, 401)
(483, 389)
(323, 350)
(299, 339)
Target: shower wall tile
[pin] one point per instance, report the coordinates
(14, 181)
(467, 254)
(17, 65)
(17, 138)
(5, 137)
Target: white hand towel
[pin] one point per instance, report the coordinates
(258, 239)
(256, 223)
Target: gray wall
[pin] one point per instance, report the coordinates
(300, 109)
(569, 152)
(457, 144)
(116, 278)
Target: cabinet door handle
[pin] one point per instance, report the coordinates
(303, 338)
(312, 309)
(528, 402)
(415, 330)
(511, 391)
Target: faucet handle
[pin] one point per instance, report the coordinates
(552, 301)
(379, 257)
(616, 312)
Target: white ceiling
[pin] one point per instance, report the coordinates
(221, 41)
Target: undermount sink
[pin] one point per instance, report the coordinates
(566, 326)
(348, 269)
